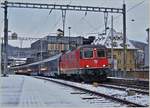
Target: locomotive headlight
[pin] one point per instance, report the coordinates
(20, 70)
(87, 66)
(104, 65)
(28, 69)
(43, 69)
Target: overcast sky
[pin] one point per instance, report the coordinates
(38, 23)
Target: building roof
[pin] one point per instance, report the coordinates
(92, 46)
(139, 45)
(117, 41)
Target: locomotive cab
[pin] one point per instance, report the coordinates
(93, 57)
(93, 63)
(90, 53)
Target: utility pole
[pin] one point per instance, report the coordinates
(124, 38)
(41, 56)
(112, 59)
(4, 73)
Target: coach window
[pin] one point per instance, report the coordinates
(88, 53)
(100, 53)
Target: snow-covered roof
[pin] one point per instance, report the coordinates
(117, 41)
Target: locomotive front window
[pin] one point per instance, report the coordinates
(88, 53)
(100, 53)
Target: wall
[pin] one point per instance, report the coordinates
(130, 61)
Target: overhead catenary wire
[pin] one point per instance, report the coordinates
(44, 23)
(88, 23)
(132, 7)
(83, 18)
(56, 24)
(116, 17)
(38, 27)
(70, 2)
(136, 5)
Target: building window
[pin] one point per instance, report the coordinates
(114, 56)
(52, 46)
(115, 44)
(119, 61)
(130, 62)
(119, 53)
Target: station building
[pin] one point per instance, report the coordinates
(118, 50)
(52, 45)
(141, 56)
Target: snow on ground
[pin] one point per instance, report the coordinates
(137, 98)
(25, 91)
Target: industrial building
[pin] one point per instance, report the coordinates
(51, 45)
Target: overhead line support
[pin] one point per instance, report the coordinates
(5, 62)
(124, 39)
(62, 7)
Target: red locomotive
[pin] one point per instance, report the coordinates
(86, 63)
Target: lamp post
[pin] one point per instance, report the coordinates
(69, 36)
(147, 34)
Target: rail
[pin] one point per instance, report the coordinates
(132, 104)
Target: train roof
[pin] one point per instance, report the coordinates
(39, 62)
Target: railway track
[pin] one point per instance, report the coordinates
(130, 86)
(125, 88)
(131, 83)
(95, 92)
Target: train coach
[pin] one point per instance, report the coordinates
(86, 63)
(46, 67)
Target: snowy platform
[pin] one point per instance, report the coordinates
(26, 91)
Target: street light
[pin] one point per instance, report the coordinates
(69, 36)
(14, 36)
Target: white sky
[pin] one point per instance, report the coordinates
(38, 23)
